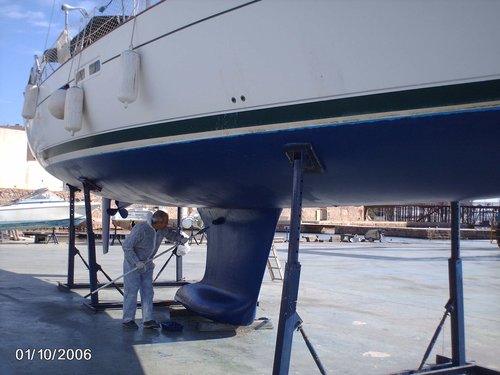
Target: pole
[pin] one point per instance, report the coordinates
(178, 260)
(311, 350)
(71, 239)
(91, 245)
(304, 160)
(289, 320)
(456, 290)
(448, 308)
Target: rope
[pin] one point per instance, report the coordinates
(50, 24)
(131, 46)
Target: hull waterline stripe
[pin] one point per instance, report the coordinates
(450, 95)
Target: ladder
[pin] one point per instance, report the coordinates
(273, 263)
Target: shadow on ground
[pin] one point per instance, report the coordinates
(36, 316)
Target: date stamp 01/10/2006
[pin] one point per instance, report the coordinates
(53, 354)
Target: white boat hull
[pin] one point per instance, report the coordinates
(394, 97)
(39, 215)
(204, 71)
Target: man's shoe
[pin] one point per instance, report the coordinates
(131, 325)
(151, 324)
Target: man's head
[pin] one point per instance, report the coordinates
(159, 220)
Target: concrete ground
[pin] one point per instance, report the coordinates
(368, 308)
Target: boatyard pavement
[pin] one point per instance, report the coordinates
(368, 308)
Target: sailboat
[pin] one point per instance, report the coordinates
(193, 104)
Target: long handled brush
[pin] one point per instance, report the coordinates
(132, 270)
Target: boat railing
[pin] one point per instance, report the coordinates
(92, 26)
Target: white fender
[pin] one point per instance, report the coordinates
(56, 103)
(73, 109)
(130, 62)
(30, 99)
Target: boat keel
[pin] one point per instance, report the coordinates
(239, 241)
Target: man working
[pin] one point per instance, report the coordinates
(140, 246)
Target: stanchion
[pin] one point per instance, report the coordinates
(303, 159)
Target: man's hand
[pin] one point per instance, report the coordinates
(140, 265)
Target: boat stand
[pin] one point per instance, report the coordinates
(178, 260)
(92, 266)
(115, 237)
(454, 308)
(73, 251)
(303, 160)
(53, 237)
(202, 233)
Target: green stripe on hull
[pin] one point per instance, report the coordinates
(450, 95)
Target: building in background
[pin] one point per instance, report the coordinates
(18, 168)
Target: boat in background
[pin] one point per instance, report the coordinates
(135, 215)
(42, 209)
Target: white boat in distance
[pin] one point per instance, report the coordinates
(191, 103)
(40, 210)
(135, 214)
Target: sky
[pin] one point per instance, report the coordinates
(24, 32)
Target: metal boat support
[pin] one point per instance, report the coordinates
(303, 159)
(178, 261)
(456, 290)
(457, 364)
(87, 186)
(92, 265)
(454, 308)
(73, 250)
